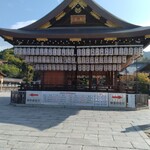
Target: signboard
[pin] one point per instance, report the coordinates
(78, 19)
(131, 100)
(79, 99)
(117, 100)
(33, 97)
(83, 99)
(101, 100)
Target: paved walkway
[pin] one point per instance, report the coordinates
(26, 128)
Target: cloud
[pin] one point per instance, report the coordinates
(18, 25)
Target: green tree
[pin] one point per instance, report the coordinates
(15, 67)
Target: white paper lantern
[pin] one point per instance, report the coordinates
(101, 59)
(87, 60)
(79, 59)
(61, 67)
(92, 51)
(110, 51)
(56, 60)
(39, 59)
(121, 51)
(35, 59)
(74, 67)
(92, 68)
(41, 51)
(92, 60)
(79, 52)
(65, 67)
(63, 52)
(54, 51)
(28, 51)
(130, 51)
(106, 51)
(110, 59)
(42, 59)
(83, 60)
(31, 59)
(136, 51)
(53, 67)
(20, 51)
(58, 52)
(83, 68)
(124, 59)
(96, 67)
(49, 67)
(73, 60)
(47, 60)
(67, 52)
(97, 52)
(126, 51)
(87, 52)
(114, 67)
(36, 67)
(45, 67)
(37, 51)
(33, 51)
(83, 52)
(114, 59)
(60, 60)
(119, 59)
(105, 68)
(110, 68)
(140, 50)
(50, 51)
(52, 59)
(70, 68)
(27, 59)
(65, 59)
(69, 60)
(116, 51)
(24, 50)
(87, 67)
(72, 52)
(101, 67)
(101, 51)
(45, 52)
(57, 67)
(118, 67)
(15, 51)
(41, 67)
(105, 59)
(79, 67)
(96, 60)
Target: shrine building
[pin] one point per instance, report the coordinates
(79, 46)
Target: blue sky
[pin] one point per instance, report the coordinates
(18, 13)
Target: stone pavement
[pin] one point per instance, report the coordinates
(27, 128)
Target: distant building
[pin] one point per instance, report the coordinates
(2, 75)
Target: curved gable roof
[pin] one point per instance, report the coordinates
(90, 3)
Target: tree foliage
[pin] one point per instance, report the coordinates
(15, 67)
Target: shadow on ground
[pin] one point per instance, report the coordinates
(145, 128)
(40, 118)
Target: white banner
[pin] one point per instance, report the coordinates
(117, 100)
